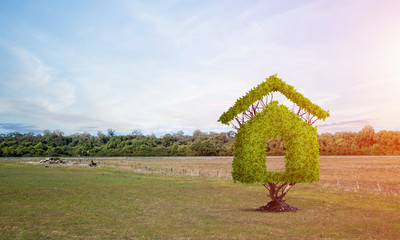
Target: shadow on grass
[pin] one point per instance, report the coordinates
(263, 211)
(249, 210)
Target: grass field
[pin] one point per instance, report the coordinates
(359, 173)
(111, 203)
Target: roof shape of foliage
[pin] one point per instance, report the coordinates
(272, 84)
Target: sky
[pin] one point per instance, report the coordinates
(164, 66)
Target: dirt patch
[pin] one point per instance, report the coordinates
(62, 162)
(53, 161)
(278, 206)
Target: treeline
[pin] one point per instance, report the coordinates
(364, 142)
(135, 144)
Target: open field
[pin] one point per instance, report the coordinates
(109, 203)
(359, 173)
(371, 173)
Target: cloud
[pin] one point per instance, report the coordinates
(20, 127)
(344, 126)
(37, 81)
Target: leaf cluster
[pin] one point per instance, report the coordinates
(272, 84)
(302, 149)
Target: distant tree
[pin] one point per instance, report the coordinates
(102, 138)
(110, 132)
(168, 140)
(203, 148)
(39, 149)
(199, 135)
(178, 135)
(230, 134)
(326, 142)
(182, 150)
(365, 138)
(57, 151)
(58, 133)
(113, 143)
(137, 134)
(46, 132)
(388, 141)
(10, 151)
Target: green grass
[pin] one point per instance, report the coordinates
(106, 203)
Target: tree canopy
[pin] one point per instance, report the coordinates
(262, 119)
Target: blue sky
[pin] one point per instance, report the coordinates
(164, 66)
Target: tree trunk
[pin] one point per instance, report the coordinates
(277, 193)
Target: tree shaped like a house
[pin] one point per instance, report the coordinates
(257, 117)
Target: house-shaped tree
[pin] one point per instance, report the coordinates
(257, 117)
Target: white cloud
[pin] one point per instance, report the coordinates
(38, 83)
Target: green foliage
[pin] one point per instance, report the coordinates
(167, 140)
(302, 150)
(301, 155)
(272, 84)
(204, 148)
(135, 144)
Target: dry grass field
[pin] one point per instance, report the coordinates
(356, 173)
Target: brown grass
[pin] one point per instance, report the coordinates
(356, 173)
